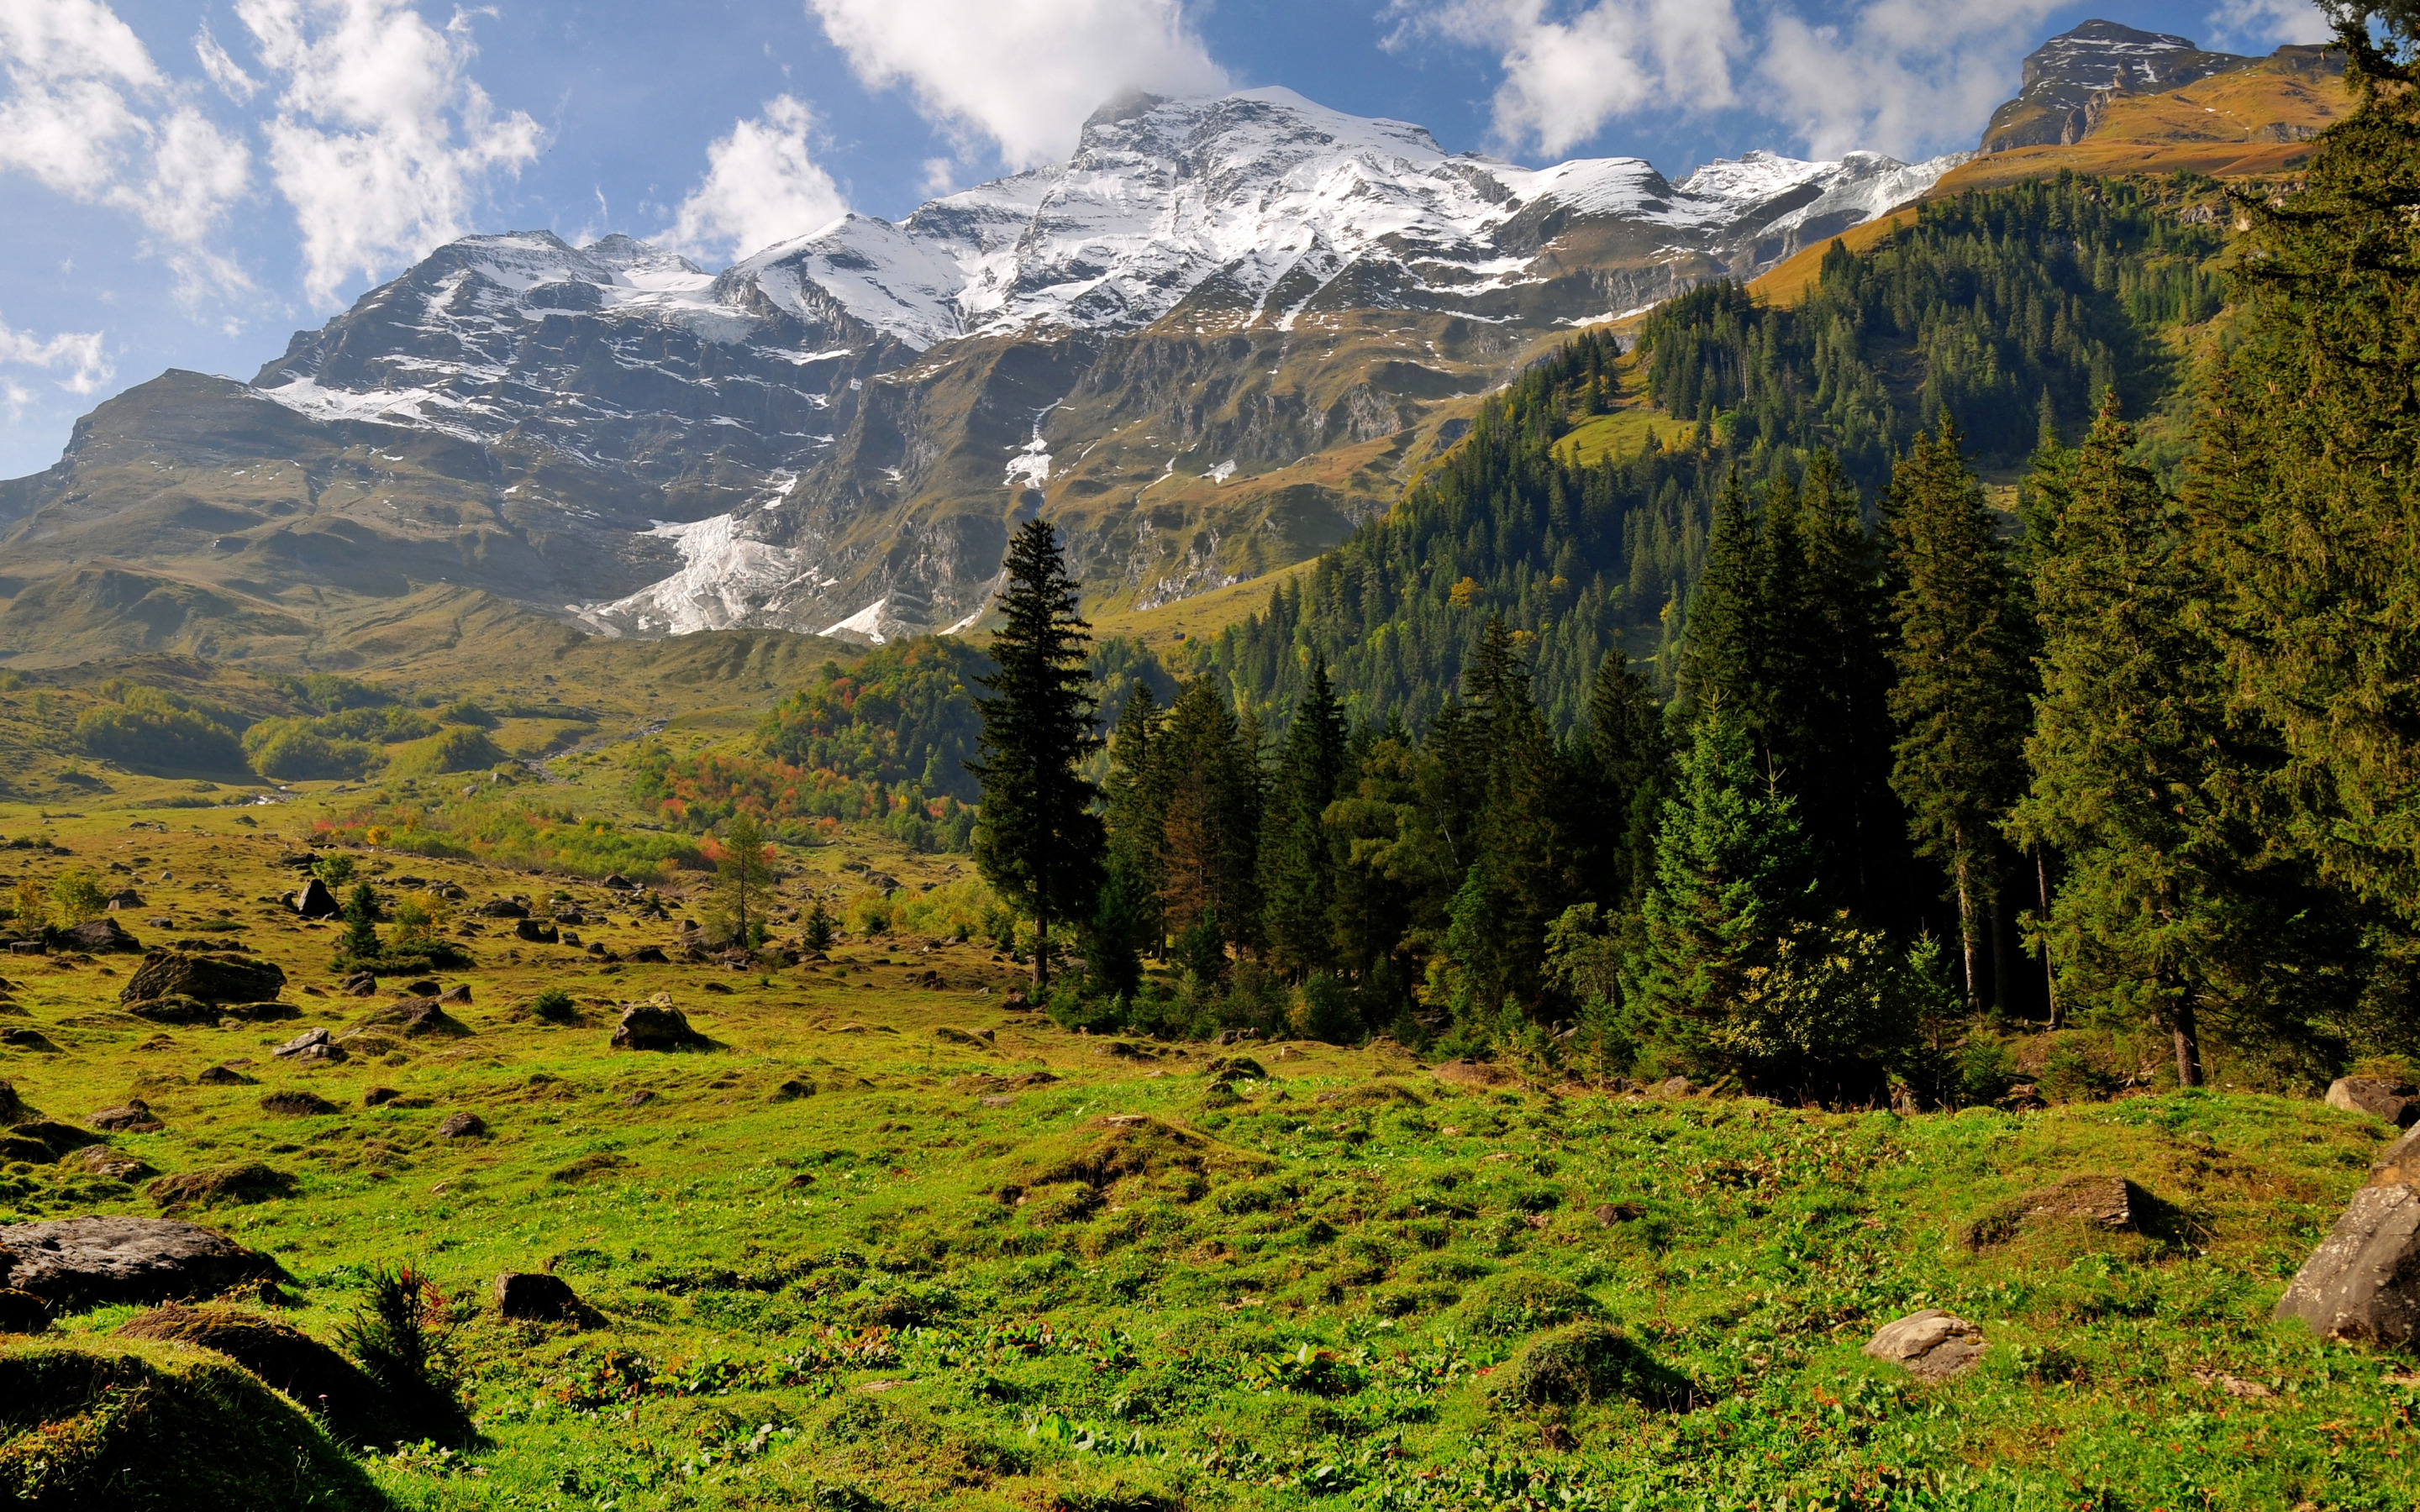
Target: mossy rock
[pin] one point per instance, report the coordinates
(343, 1396)
(140, 1426)
(251, 1181)
(1101, 1152)
(1591, 1361)
(1523, 1302)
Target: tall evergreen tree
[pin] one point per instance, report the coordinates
(2170, 907)
(1723, 656)
(2307, 484)
(1039, 843)
(1297, 863)
(1961, 700)
(1632, 759)
(1731, 878)
(1135, 810)
(1211, 834)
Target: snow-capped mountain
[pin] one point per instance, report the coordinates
(1206, 342)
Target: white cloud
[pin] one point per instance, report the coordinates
(382, 141)
(762, 186)
(224, 70)
(1907, 77)
(1022, 73)
(1567, 72)
(80, 352)
(91, 117)
(2254, 25)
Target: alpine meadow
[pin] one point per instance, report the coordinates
(1269, 818)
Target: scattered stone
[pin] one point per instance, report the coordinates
(110, 1165)
(426, 987)
(76, 1263)
(307, 1040)
(1609, 1213)
(22, 1312)
(31, 1040)
(1234, 1068)
(977, 1039)
(377, 1096)
(2109, 1203)
(997, 1100)
(1931, 1345)
(249, 1181)
(313, 901)
(536, 933)
(223, 1076)
(360, 984)
(459, 994)
(536, 1297)
(503, 908)
(28, 947)
(1674, 1086)
(650, 955)
(135, 1117)
(2363, 1282)
(2397, 1103)
(102, 936)
(639, 1099)
(1479, 1073)
(617, 883)
(295, 1102)
(654, 1027)
(793, 1090)
(416, 1018)
(220, 978)
(463, 1126)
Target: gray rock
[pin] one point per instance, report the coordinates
(2397, 1103)
(315, 901)
(537, 1297)
(101, 936)
(301, 1041)
(652, 1026)
(1930, 1345)
(463, 1126)
(295, 1102)
(223, 977)
(2364, 1280)
(135, 1117)
(416, 1018)
(111, 1164)
(89, 1262)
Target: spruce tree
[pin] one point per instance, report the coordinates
(1039, 842)
(1211, 832)
(1632, 759)
(1135, 811)
(1731, 878)
(2306, 487)
(1961, 700)
(1297, 868)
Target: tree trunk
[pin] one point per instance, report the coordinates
(1041, 952)
(2050, 978)
(2186, 1026)
(1965, 928)
(2004, 996)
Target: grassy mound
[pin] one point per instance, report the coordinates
(136, 1426)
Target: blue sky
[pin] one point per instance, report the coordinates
(185, 184)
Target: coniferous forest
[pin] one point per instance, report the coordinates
(1779, 749)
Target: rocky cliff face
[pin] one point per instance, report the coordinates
(1208, 343)
(2069, 78)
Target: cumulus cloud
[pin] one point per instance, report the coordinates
(1907, 77)
(762, 185)
(2253, 24)
(382, 142)
(91, 116)
(1020, 74)
(223, 70)
(79, 353)
(1568, 72)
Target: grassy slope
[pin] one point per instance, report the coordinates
(1141, 1344)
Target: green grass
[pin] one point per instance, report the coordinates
(1124, 1286)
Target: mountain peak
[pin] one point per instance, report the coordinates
(2093, 58)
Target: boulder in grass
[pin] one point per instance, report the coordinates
(76, 1263)
(2363, 1283)
(536, 933)
(223, 1076)
(1477, 1073)
(2397, 1103)
(174, 1008)
(222, 977)
(315, 901)
(58, 1138)
(33, 1040)
(134, 1117)
(535, 1296)
(102, 936)
(462, 1126)
(657, 1026)
(107, 1164)
(1931, 1345)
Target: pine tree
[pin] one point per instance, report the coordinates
(1039, 843)
(1297, 865)
(743, 881)
(1633, 758)
(2307, 484)
(1723, 655)
(1961, 700)
(1731, 878)
(1211, 834)
(1136, 812)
